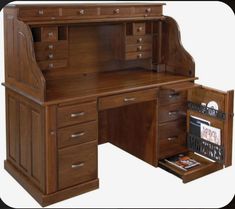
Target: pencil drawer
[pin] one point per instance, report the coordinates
(148, 11)
(169, 97)
(77, 134)
(115, 11)
(172, 112)
(127, 99)
(80, 12)
(74, 114)
(38, 12)
(77, 164)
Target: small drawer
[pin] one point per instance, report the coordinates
(77, 134)
(80, 12)
(169, 97)
(172, 112)
(115, 11)
(79, 113)
(38, 12)
(138, 48)
(127, 99)
(148, 11)
(51, 55)
(138, 39)
(138, 55)
(50, 47)
(53, 64)
(139, 28)
(77, 164)
(49, 34)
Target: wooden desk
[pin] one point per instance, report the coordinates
(97, 73)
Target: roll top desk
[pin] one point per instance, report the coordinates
(81, 75)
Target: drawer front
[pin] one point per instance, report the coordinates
(172, 112)
(139, 39)
(80, 12)
(148, 11)
(43, 47)
(41, 12)
(50, 34)
(115, 11)
(127, 99)
(51, 55)
(52, 64)
(168, 97)
(77, 134)
(138, 55)
(139, 28)
(138, 48)
(77, 164)
(73, 114)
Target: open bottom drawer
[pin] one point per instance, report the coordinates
(205, 167)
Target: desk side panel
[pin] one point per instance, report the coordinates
(21, 70)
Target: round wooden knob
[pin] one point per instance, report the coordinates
(51, 65)
(139, 40)
(51, 56)
(50, 46)
(82, 12)
(50, 34)
(139, 48)
(148, 10)
(139, 56)
(40, 12)
(116, 11)
(52, 133)
(140, 29)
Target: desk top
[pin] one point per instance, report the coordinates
(102, 84)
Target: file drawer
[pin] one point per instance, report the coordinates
(77, 164)
(77, 134)
(79, 113)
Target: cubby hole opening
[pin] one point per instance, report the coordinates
(148, 28)
(129, 29)
(62, 33)
(36, 33)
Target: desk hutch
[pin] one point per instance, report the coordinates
(80, 75)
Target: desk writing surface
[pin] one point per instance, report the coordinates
(106, 83)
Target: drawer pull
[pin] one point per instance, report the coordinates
(173, 113)
(148, 10)
(51, 65)
(139, 40)
(50, 56)
(40, 12)
(139, 29)
(74, 115)
(174, 95)
(50, 46)
(172, 138)
(129, 99)
(78, 165)
(77, 135)
(82, 12)
(50, 34)
(139, 48)
(116, 11)
(139, 56)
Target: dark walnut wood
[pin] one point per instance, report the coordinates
(88, 74)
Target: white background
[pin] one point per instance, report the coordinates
(207, 32)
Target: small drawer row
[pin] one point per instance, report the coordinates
(77, 144)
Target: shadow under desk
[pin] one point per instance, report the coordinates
(93, 85)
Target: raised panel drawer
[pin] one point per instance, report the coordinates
(79, 113)
(38, 12)
(127, 99)
(138, 55)
(52, 64)
(77, 164)
(139, 39)
(172, 112)
(115, 11)
(80, 12)
(169, 97)
(77, 134)
(148, 11)
(138, 48)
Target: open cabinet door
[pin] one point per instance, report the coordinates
(211, 155)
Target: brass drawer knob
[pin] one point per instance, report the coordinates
(82, 12)
(51, 65)
(139, 48)
(41, 12)
(50, 56)
(139, 40)
(50, 46)
(139, 56)
(116, 11)
(148, 10)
